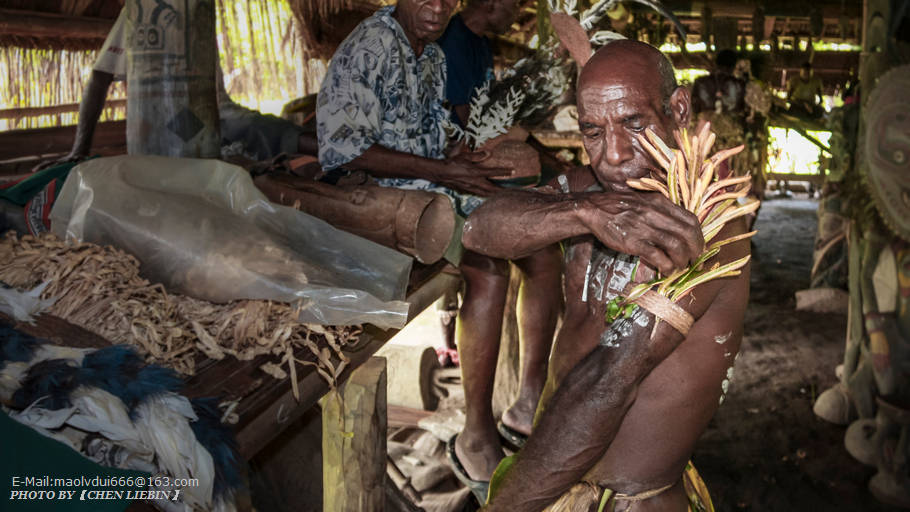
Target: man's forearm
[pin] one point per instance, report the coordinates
(382, 162)
(572, 435)
(583, 417)
(515, 224)
(90, 108)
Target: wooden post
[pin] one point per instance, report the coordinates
(354, 441)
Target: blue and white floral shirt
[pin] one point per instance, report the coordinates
(377, 90)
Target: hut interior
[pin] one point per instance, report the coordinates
(831, 247)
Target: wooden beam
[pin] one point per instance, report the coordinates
(780, 8)
(57, 140)
(76, 7)
(399, 416)
(14, 22)
(815, 179)
(784, 59)
(20, 112)
(354, 427)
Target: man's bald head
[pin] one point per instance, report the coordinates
(626, 88)
(634, 60)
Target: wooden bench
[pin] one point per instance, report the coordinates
(266, 406)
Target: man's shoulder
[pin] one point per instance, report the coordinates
(372, 34)
(577, 179)
(458, 37)
(456, 28)
(581, 179)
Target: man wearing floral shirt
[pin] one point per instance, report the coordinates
(380, 109)
(380, 106)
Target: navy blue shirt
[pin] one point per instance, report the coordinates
(469, 61)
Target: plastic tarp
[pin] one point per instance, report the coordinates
(201, 228)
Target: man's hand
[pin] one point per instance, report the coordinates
(648, 225)
(462, 173)
(458, 171)
(93, 97)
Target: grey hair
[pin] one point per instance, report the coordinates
(668, 82)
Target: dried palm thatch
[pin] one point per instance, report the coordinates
(325, 23)
(44, 77)
(99, 289)
(691, 181)
(261, 49)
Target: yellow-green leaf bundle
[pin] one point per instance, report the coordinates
(690, 180)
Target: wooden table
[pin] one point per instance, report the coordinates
(266, 406)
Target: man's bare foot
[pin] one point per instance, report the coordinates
(479, 455)
(520, 416)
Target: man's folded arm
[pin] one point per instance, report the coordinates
(665, 236)
(515, 224)
(583, 416)
(585, 413)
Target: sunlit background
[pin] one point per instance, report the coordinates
(791, 153)
(262, 71)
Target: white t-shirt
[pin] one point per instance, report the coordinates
(112, 57)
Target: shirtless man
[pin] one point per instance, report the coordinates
(621, 410)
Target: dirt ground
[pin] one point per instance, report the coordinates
(765, 450)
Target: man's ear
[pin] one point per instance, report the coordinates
(680, 106)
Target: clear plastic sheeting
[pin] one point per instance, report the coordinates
(201, 228)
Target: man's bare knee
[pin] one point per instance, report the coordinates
(547, 261)
(478, 264)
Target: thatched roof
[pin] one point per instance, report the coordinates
(274, 49)
(325, 24)
(82, 24)
(56, 24)
(262, 53)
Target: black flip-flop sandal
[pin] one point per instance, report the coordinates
(512, 437)
(479, 488)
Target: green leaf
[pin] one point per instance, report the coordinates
(715, 273)
(498, 474)
(613, 309)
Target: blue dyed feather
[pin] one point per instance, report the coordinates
(218, 439)
(119, 370)
(54, 380)
(16, 346)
